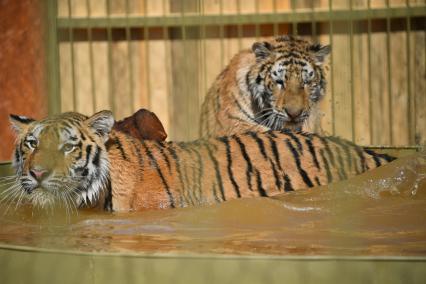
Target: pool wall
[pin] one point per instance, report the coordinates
(27, 265)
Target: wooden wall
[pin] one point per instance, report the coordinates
(369, 100)
(22, 66)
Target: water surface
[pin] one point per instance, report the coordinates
(382, 212)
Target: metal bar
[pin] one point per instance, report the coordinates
(411, 112)
(71, 41)
(281, 17)
(389, 75)
(221, 35)
(110, 65)
(333, 112)
(168, 62)
(53, 78)
(314, 23)
(294, 20)
(256, 26)
(240, 25)
(185, 79)
(147, 59)
(92, 71)
(351, 52)
(274, 9)
(130, 61)
(370, 87)
(203, 52)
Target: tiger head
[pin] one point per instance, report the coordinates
(286, 81)
(61, 158)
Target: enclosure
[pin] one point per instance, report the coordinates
(163, 55)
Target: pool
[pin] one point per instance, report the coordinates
(369, 228)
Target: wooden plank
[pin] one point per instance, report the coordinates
(159, 72)
(418, 87)
(185, 57)
(399, 89)
(361, 95)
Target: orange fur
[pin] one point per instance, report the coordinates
(247, 88)
(154, 175)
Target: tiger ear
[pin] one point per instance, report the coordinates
(142, 125)
(320, 52)
(101, 123)
(20, 123)
(262, 49)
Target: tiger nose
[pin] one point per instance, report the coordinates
(293, 112)
(39, 174)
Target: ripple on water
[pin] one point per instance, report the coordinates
(378, 213)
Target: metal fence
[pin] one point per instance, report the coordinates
(163, 55)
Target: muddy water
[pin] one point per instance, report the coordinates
(382, 212)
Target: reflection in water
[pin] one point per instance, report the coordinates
(378, 213)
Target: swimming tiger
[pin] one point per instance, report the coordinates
(277, 84)
(74, 159)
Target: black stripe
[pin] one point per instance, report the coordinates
(375, 157)
(326, 166)
(22, 119)
(188, 187)
(312, 151)
(249, 170)
(295, 139)
(96, 157)
(287, 183)
(276, 175)
(248, 79)
(137, 147)
(120, 147)
(345, 147)
(67, 125)
(160, 173)
(296, 157)
(275, 151)
(108, 197)
(361, 157)
(387, 158)
(178, 169)
(160, 148)
(83, 137)
(88, 152)
(260, 143)
(217, 172)
(17, 155)
(317, 181)
(214, 190)
(327, 149)
(260, 188)
(243, 110)
(200, 170)
(341, 167)
(225, 140)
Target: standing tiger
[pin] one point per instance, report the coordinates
(276, 85)
(74, 159)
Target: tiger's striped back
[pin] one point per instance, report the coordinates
(151, 174)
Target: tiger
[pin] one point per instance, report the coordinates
(276, 85)
(74, 159)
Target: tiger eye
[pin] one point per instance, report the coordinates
(32, 144)
(68, 147)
